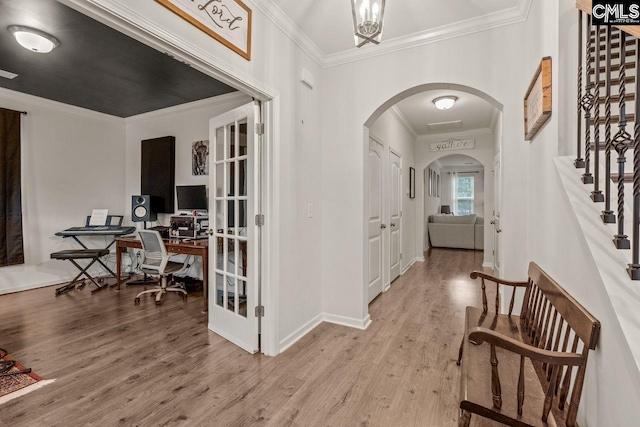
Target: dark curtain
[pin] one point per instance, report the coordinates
(11, 246)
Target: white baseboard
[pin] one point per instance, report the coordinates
(303, 330)
(30, 286)
(387, 286)
(420, 259)
(413, 261)
(487, 264)
(348, 321)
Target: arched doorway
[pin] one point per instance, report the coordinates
(454, 185)
(379, 240)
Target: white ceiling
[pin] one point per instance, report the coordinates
(419, 110)
(329, 23)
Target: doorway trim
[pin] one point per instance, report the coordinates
(132, 24)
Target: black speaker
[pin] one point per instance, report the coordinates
(141, 209)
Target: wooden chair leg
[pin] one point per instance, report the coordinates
(465, 418)
(460, 352)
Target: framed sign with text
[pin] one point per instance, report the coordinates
(228, 21)
(452, 144)
(537, 101)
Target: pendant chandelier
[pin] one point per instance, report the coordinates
(367, 21)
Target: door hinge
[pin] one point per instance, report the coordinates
(400, 256)
(259, 311)
(260, 128)
(260, 220)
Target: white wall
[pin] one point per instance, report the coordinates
(612, 386)
(389, 131)
(72, 162)
(484, 183)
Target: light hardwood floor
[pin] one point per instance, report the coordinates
(120, 364)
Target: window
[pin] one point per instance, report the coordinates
(463, 195)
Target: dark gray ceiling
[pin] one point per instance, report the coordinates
(95, 66)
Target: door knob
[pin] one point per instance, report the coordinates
(209, 232)
(392, 224)
(493, 222)
(498, 230)
(383, 225)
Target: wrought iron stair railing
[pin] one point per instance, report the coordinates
(609, 63)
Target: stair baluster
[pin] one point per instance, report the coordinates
(621, 143)
(608, 217)
(579, 161)
(587, 104)
(596, 194)
(634, 267)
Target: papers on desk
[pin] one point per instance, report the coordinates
(98, 217)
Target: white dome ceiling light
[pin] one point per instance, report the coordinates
(34, 40)
(445, 102)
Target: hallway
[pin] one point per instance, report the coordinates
(120, 364)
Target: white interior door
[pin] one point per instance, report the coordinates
(496, 216)
(376, 224)
(233, 188)
(395, 223)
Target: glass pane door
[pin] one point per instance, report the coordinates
(233, 253)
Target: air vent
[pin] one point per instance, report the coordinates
(445, 126)
(7, 74)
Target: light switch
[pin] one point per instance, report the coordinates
(310, 210)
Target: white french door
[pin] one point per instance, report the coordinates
(233, 253)
(376, 224)
(395, 198)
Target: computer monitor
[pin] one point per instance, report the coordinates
(192, 197)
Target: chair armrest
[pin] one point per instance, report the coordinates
(476, 274)
(479, 335)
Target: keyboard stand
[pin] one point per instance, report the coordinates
(99, 260)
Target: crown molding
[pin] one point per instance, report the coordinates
(397, 113)
(12, 95)
(461, 134)
(514, 15)
(290, 29)
(220, 100)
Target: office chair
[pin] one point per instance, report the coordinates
(155, 261)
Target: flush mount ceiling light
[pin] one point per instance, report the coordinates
(367, 21)
(34, 40)
(445, 102)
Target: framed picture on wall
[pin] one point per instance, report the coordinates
(200, 158)
(412, 183)
(433, 183)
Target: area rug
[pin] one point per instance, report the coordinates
(13, 386)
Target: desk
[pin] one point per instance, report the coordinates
(174, 246)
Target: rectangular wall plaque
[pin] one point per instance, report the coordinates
(537, 101)
(453, 144)
(228, 21)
